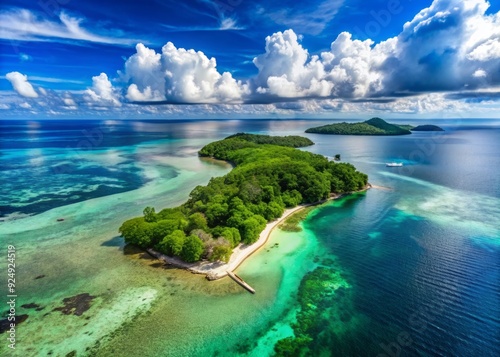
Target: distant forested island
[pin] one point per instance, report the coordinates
(374, 126)
(270, 174)
(427, 128)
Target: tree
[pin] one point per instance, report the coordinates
(149, 214)
(216, 213)
(250, 191)
(336, 185)
(197, 221)
(318, 189)
(162, 228)
(291, 198)
(251, 228)
(221, 251)
(238, 217)
(231, 234)
(192, 249)
(268, 193)
(137, 231)
(200, 233)
(173, 243)
(274, 210)
(288, 181)
(176, 213)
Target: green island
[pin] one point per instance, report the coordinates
(427, 128)
(374, 126)
(269, 175)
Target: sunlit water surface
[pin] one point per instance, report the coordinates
(420, 255)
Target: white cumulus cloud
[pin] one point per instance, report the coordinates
(178, 75)
(143, 71)
(21, 85)
(355, 67)
(287, 70)
(487, 51)
(443, 46)
(102, 92)
(452, 47)
(480, 73)
(448, 46)
(69, 102)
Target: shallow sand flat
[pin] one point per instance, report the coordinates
(82, 255)
(195, 320)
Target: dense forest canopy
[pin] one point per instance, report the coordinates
(374, 126)
(290, 141)
(427, 128)
(270, 175)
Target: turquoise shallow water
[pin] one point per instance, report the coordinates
(421, 256)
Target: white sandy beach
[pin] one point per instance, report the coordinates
(218, 270)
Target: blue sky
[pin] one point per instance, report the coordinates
(235, 58)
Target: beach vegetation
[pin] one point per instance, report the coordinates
(192, 249)
(173, 243)
(221, 251)
(292, 223)
(149, 214)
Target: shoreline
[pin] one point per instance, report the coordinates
(219, 270)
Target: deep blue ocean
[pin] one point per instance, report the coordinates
(421, 250)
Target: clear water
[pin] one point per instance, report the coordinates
(421, 255)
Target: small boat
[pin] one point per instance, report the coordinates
(394, 164)
(60, 219)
